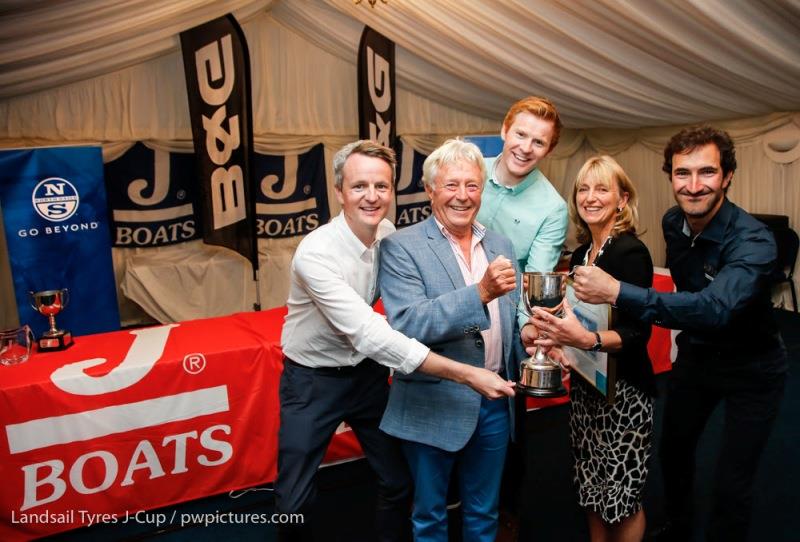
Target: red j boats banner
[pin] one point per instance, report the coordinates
(55, 216)
(217, 66)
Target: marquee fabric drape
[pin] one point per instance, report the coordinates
(625, 76)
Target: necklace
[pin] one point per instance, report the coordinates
(603, 247)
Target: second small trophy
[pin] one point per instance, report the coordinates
(49, 303)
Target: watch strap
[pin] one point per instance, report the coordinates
(598, 343)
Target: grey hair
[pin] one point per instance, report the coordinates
(451, 151)
(366, 147)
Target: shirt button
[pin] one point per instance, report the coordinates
(479, 343)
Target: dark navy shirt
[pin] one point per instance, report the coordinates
(722, 276)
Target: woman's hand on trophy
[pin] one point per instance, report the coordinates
(565, 331)
(556, 354)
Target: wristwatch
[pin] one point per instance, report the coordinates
(598, 343)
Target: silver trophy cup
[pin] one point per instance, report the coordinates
(49, 303)
(539, 375)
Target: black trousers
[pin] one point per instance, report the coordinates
(313, 404)
(752, 394)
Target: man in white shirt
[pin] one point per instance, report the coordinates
(338, 351)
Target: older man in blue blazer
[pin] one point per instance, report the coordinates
(451, 284)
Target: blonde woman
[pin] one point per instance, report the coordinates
(610, 444)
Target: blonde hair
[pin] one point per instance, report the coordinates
(451, 152)
(607, 171)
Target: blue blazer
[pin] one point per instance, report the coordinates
(425, 297)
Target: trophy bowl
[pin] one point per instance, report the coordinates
(49, 303)
(540, 376)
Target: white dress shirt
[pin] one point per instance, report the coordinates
(331, 322)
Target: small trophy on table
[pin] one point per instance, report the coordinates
(49, 303)
(540, 376)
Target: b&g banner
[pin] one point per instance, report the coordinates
(152, 196)
(376, 89)
(217, 66)
(54, 211)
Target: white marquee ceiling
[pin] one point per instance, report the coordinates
(606, 63)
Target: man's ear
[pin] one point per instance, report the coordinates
(727, 180)
(339, 195)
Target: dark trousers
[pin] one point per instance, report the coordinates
(313, 404)
(752, 395)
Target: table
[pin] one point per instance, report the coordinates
(135, 420)
(141, 419)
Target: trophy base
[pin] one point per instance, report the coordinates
(53, 343)
(541, 378)
(542, 392)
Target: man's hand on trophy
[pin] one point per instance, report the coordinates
(490, 384)
(499, 279)
(593, 285)
(564, 331)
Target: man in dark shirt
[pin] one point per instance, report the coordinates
(730, 349)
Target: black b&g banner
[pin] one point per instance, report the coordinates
(217, 66)
(376, 94)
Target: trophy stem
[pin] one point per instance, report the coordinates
(53, 330)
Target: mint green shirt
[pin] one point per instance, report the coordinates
(532, 214)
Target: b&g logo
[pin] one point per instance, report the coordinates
(55, 199)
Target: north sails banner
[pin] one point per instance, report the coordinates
(55, 216)
(217, 66)
(152, 195)
(376, 90)
(293, 198)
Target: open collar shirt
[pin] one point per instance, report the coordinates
(331, 322)
(473, 273)
(723, 280)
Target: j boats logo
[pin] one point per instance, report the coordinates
(55, 199)
(49, 480)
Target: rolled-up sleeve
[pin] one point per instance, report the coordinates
(368, 332)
